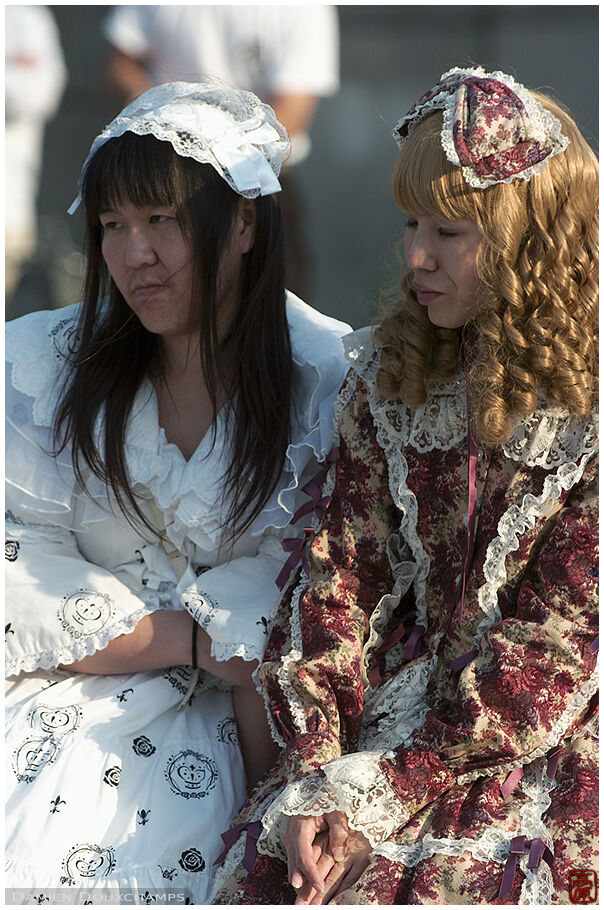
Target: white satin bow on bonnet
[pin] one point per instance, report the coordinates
(229, 128)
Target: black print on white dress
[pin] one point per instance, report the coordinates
(227, 731)
(201, 606)
(32, 756)
(11, 549)
(191, 774)
(143, 746)
(86, 861)
(179, 677)
(55, 720)
(64, 338)
(191, 860)
(143, 816)
(112, 776)
(56, 803)
(85, 612)
(167, 873)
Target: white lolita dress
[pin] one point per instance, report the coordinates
(125, 783)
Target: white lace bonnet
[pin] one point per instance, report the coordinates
(229, 128)
(493, 128)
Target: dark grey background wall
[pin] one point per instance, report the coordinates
(390, 55)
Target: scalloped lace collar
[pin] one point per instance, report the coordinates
(547, 438)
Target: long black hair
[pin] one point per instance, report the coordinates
(115, 352)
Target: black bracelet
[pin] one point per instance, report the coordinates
(194, 647)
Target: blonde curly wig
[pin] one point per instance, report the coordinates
(535, 326)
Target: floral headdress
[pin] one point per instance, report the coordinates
(228, 128)
(493, 128)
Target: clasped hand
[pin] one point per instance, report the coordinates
(324, 857)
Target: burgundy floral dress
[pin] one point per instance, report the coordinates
(432, 670)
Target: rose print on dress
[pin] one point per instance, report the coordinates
(191, 860)
(112, 776)
(143, 746)
(191, 774)
(85, 612)
(11, 550)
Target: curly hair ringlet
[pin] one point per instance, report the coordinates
(535, 324)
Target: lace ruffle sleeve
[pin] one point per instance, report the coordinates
(524, 691)
(59, 606)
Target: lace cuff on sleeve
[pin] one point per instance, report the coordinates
(235, 602)
(352, 784)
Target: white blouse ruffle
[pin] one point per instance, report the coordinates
(188, 492)
(50, 518)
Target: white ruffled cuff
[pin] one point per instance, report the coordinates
(235, 602)
(352, 784)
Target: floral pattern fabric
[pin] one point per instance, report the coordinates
(444, 731)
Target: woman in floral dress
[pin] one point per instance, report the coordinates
(432, 668)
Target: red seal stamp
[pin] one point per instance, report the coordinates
(583, 886)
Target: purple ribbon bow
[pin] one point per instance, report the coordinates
(231, 837)
(511, 782)
(518, 846)
(296, 547)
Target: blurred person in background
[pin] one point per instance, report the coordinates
(35, 77)
(287, 55)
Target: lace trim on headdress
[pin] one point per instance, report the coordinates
(544, 127)
(545, 124)
(230, 129)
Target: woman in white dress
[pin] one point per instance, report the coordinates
(159, 436)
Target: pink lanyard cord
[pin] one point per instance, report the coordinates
(472, 510)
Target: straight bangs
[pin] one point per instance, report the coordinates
(425, 183)
(141, 170)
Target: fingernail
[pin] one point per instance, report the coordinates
(338, 854)
(319, 887)
(296, 880)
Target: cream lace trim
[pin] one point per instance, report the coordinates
(213, 124)
(352, 784)
(286, 671)
(514, 522)
(494, 843)
(544, 124)
(398, 707)
(393, 443)
(547, 438)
